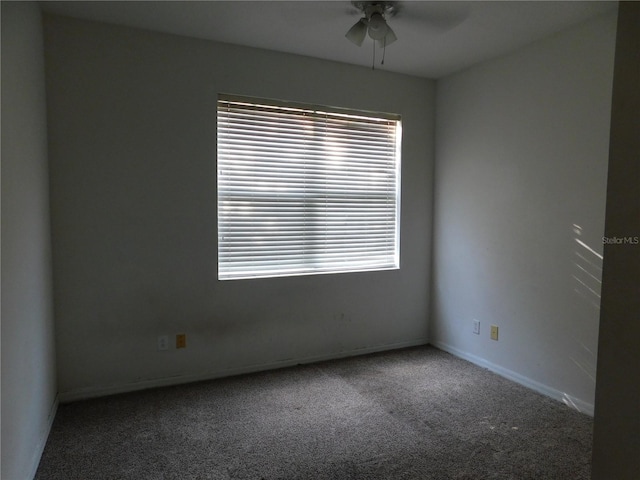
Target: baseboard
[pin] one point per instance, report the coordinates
(101, 391)
(573, 402)
(42, 441)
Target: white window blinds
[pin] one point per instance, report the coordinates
(305, 190)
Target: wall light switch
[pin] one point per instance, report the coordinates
(181, 340)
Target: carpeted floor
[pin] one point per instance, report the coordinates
(417, 413)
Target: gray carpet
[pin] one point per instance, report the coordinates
(416, 413)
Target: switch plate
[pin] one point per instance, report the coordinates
(181, 340)
(494, 332)
(476, 327)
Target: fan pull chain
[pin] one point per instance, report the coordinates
(384, 49)
(373, 62)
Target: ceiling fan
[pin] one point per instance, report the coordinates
(374, 23)
(438, 17)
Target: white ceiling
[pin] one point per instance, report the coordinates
(434, 38)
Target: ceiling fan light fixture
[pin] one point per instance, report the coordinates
(378, 27)
(358, 32)
(388, 39)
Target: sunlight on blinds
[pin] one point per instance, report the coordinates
(305, 190)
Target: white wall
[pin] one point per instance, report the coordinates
(132, 129)
(28, 356)
(616, 445)
(520, 181)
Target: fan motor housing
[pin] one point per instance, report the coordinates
(386, 9)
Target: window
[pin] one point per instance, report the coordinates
(305, 190)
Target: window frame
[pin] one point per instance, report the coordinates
(315, 111)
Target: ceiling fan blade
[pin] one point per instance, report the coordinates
(357, 33)
(438, 17)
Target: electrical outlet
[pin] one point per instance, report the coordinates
(163, 342)
(494, 332)
(181, 340)
(476, 327)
